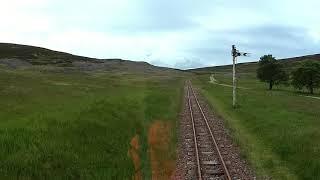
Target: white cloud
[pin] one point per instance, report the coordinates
(175, 33)
(315, 35)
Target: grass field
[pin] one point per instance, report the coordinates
(77, 125)
(278, 130)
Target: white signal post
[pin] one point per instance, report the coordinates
(234, 77)
(235, 53)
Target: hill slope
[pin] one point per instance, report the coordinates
(70, 117)
(16, 55)
(250, 67)
(38, 55)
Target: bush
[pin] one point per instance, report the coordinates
(271, 71)
(307, 76)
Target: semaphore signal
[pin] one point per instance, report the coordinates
(235, 53)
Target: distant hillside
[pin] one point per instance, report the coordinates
(16, 55)
(289, 63)
(38, 55)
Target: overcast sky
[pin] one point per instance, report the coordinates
(174, 33)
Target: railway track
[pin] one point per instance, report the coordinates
(204, 159)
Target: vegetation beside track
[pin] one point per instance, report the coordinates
(277, 130)
(79, 125)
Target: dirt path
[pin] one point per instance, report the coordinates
(313, 97)
(227, 85)
(237, 166)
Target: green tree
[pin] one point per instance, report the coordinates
(271, 71)
(307, 75)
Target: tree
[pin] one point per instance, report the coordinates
(307, 75)
(271, 71)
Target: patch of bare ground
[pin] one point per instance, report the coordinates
(237, 166)
(159, 142)
(133, 153)
(162, 164)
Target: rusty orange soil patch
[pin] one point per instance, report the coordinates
(159, 139)
(133, 152)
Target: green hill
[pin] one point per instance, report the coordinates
(38, 55)
(250, 67)
(16, 55)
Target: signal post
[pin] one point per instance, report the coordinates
(235, 53)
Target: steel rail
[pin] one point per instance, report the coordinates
(194, 136)
(212, 136)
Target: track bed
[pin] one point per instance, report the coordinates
(205, 149)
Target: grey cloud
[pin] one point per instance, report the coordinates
(204, 29)
(142, 16)
(158, 62)
(188, 63)
(281, 41)
(164, 16)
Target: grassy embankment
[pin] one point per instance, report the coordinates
(76, 125)
(278, 130)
